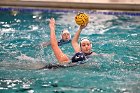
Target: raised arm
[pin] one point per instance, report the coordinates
(61, 57)
(75, 44)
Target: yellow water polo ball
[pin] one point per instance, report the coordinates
(81, 18)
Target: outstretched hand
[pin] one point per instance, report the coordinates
(52, 24)
(83, 26)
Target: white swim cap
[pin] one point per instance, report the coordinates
(85, 39)
(65, 31)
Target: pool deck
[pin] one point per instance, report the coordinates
(128, 5)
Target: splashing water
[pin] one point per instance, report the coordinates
(116, 37)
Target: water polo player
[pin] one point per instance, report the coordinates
(65, 38)
(81, 51)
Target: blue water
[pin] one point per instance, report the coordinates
(114, 34)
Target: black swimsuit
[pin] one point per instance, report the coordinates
(77, 59)
(80, 57)
(61, 42)
(55, 66)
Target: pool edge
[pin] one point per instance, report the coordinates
(72, 5)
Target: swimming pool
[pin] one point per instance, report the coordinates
(113, 33)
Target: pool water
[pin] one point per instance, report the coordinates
(116, 35)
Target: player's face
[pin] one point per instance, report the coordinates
(66, 36)
(86, 47)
